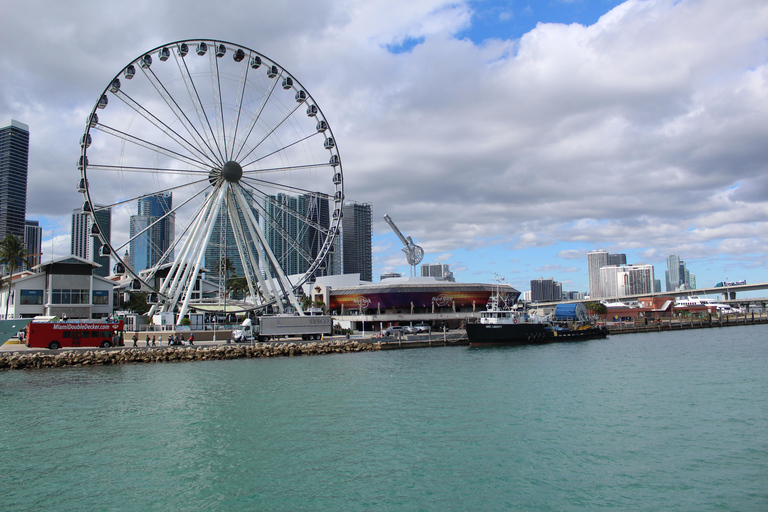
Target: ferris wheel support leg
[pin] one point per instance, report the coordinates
(207, 236)
(285, 284)
(266, 284)
(249, 262)
(170, 286)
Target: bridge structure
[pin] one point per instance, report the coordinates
(728, 294)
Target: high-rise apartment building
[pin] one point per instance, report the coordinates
(104, 220)
(678, 277)
(152, 232)
(617, 259)
(357, 228)
(438, 270)
(33, 241)
(224, 244)
(295, 228)
(546, 290)
(81, 234)
(623, 280)
(85, 246)
(14, 162)
(596, 260)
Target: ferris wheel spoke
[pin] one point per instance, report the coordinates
(275, 225)
(239, 101)
(282, 186)
(154, 147)
(248, 255)
(318, 165)
(256, 117)
(282, 148)
(177, 110)
(217, 100)
(297, 216)
(144, 196)
(155, 170)
(172, 211)
(270, 132)
(251, 225)
(194, 96)
(176, 242)
(170, 285)
(164, 128)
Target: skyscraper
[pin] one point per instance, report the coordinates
(621, 280)
(14, 161)
(673, 272)
(357, 227)
(104, 220)
(295, 228)
(617, 259)
(158, 225)
(595, 260)
(33, 241)
(438, 270)
(223, 243)
(81, 231)
(546, 290)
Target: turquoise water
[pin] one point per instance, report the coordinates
(663, 421)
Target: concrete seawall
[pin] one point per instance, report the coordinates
(100, 357)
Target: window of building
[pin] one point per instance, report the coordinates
(101, 296)
(31, 297)
(63, 296)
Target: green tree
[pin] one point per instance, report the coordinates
(137, 303)
(13, 255)
(225, 268)
(237, 287)
(597, 308)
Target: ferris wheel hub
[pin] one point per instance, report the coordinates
(232, 171)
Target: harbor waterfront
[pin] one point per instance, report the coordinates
(654, 421)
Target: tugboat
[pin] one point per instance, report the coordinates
(498, 326)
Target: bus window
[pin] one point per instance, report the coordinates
(66, 334)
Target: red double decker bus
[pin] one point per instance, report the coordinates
(54, 335)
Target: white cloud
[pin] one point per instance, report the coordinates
(645, 130)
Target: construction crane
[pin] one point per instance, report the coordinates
(413, 253)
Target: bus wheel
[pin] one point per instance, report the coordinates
(105, 344)
(54, 345)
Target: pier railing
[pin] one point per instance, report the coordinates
(681, 323)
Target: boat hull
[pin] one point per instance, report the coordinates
(486, 335)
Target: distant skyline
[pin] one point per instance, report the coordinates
(502, 136)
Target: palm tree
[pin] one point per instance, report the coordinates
(238, 286)
(225, 267)
(13, 254)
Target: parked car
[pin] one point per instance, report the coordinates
(409, 329)
(422, 328)
(393, 330)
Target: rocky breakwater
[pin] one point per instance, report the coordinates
(20, 360)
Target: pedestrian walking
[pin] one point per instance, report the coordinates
(135, 339)
(191, 338)
(147, 339)
(153, 340)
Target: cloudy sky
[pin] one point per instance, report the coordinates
(506, 137)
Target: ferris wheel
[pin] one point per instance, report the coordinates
(201, 150)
